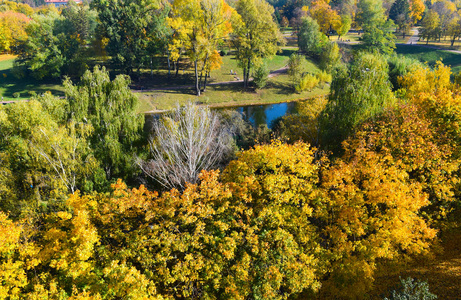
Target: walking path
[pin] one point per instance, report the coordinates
(413, 40)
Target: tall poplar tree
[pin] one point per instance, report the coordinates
(257, 36)
(377, 28)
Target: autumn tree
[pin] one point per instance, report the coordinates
(454, 28)
(447, 12)
(256, 36)
(417, 9)
(304, 125)
(373, 216)
(430, 26)
(13, 29)
(326, 17)
(199, 26)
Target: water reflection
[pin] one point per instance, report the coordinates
(254, 114)
(266, 114)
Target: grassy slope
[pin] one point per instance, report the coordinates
(277, 90)
(429, 55)
(10, 85)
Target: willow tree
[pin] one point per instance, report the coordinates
(110, 107)
(256, 35)
(358, 92)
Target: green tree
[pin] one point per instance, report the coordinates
(46, 158)
(110, 108)
(41, 55)
(310, 39)
(129, 24)
(400, 14)
(330, 57)
(296, 68)
(57, 44)
(257, 35)
(358, 92)
(346, 22)
(377, 28)
(430, 25)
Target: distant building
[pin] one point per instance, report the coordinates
(60, 2)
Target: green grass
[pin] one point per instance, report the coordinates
(186, 72)
(10, 84)
(278, 90)
(431, 56)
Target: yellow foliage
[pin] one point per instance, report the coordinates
(372, 214)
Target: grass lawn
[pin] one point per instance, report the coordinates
(430, 56)
(10, 84)
(445, 44)
(277, 90)
(186, 71)
(351, 36)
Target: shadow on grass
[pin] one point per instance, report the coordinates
(281, 88)
(430, 55)
(11, 86)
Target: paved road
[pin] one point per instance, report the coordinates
(413, 40)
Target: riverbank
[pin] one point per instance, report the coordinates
(278, 90)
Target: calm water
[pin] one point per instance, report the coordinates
(266, 114)
(256, 114)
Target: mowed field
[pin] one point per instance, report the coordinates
(278, 89)
(431, 55)
(9, 85)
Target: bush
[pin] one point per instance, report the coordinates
(324, 77)
(296, 68)
(412, 289)
(16, 95)
(330, 57)
(308, 82)
(260, 76)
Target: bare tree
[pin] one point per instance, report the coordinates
(185, 141)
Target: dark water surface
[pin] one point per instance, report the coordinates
(257, 114)
(265, 114)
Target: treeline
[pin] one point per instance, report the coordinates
(280, 219)
(128, 36)
(132, 33)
